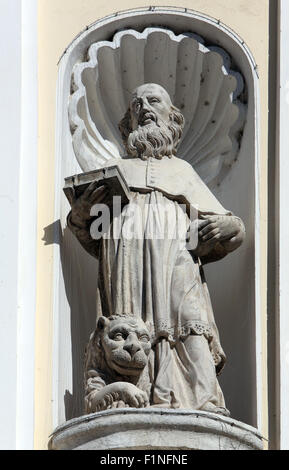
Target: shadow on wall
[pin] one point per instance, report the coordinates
(52, 233)
(233, 314)
(80, 279)
(231, 283)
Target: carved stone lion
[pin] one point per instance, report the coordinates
(117, 365)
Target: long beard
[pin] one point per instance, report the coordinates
(151, 140)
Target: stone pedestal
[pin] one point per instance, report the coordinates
(155, 428)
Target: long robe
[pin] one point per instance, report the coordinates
(146, 270)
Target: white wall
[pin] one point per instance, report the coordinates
(18, 123)
(10, 40)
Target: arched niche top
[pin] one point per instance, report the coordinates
(175, 18)
(211, 145)
(94, 113)
(199, 79)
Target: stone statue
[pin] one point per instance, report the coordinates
(154, 281)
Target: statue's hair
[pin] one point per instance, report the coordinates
(168, 146)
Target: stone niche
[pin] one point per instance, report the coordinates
(177, 50)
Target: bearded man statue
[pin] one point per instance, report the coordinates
(155, 275)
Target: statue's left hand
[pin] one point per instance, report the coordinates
(218, 235)
(217, 228)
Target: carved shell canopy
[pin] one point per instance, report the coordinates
(198, 79)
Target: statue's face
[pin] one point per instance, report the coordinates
(126, 344)
(150, 104)
(152, 127)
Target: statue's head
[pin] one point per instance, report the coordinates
(152, 126)
(123, 344)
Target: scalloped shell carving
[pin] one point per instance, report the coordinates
(198, 78)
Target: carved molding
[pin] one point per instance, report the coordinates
(198, 78)
(155, 429)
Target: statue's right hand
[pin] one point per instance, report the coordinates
(81, 206)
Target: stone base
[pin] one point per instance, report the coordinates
(155, 428)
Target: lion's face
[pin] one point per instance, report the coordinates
(126, 344)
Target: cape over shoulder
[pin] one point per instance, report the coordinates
(174, 177)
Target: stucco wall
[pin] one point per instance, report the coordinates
(59, 22)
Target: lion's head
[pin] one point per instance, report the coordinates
(119, 346)
(125, 342)
(118, 351)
